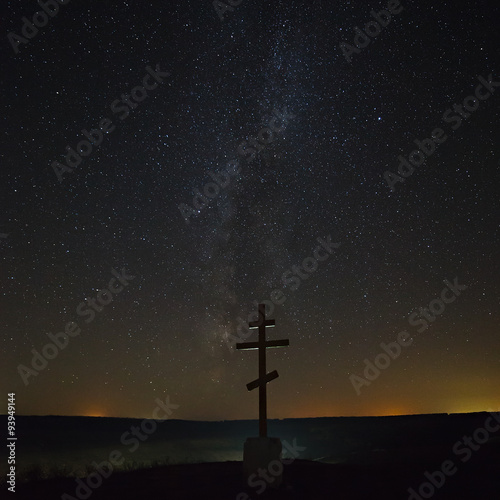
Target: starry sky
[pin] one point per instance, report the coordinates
(192, 282)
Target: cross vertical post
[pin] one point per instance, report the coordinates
(262, 372)
(264, 377)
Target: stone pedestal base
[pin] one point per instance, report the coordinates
(262, 463)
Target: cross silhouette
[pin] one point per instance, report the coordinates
(264, 377)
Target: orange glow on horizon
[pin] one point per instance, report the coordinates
(94, 412)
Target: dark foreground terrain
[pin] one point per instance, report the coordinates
(303, 479)
(336, 458)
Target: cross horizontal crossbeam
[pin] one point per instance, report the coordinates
(245, 346)
(255, 324)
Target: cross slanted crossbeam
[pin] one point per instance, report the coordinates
(264, 377)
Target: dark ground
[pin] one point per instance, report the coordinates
(478, 479)
(341, 458)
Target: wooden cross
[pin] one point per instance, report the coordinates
(264, 377)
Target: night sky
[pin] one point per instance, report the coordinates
(193, 271)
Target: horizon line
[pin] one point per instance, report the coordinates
(249, 419)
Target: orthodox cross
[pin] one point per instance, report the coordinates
(264, 377)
